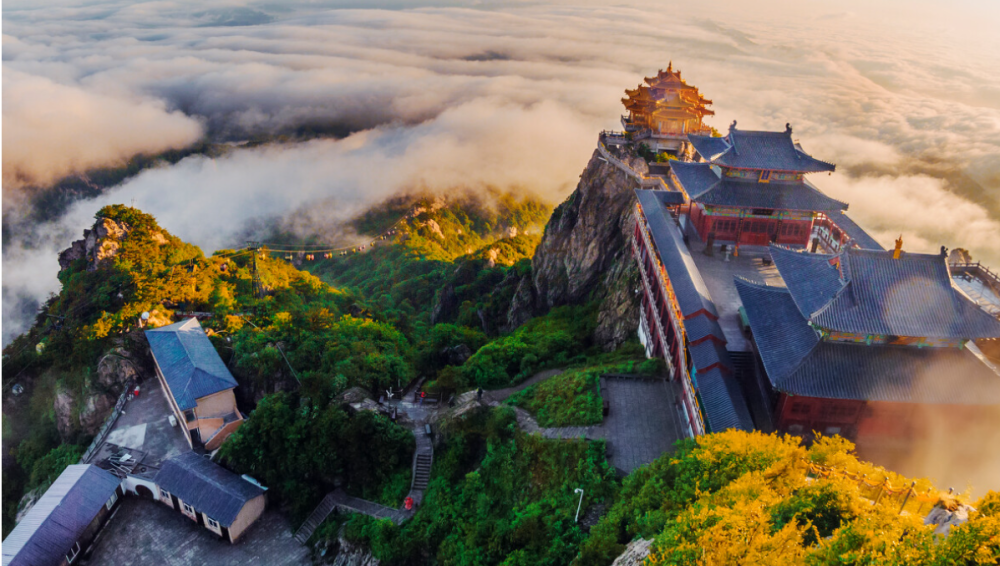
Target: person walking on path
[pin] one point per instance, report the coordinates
(479, 394)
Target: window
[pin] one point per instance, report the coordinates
(795, 429)
(164, 495)
(212, 523)
(831, 430)
(73, 552)
(188, 509)
(111, 502)
(189, 415)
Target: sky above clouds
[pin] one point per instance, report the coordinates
(904, 96)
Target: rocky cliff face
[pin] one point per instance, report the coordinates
(98, 245)
(85, 411)
(585, 254)
(635, 553)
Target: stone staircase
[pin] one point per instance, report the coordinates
(318, 515)
(423, 460)
(422, 471)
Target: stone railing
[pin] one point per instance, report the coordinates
(645, 182)
(109, 423)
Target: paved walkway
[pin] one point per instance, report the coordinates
(147, 532)
(345, 502)
(500, 395)
(641, 425)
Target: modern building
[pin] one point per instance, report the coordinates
(750, 188)
(210, 495)
(61, 526)
(198, 384)
(662, 112)
(865, 343)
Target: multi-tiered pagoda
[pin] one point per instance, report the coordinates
(665, 110)
(870, 344)
(750, 188)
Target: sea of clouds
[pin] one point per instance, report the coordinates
(445, 96)
(451, 95)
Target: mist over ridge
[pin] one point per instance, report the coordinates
(462, 95)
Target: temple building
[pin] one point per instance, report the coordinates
(866, 344)
(664, 111)
(679, 321)
(750, 189)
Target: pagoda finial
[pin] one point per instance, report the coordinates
(899, 247)
(788, 128)
(732, 127)
(670, 66)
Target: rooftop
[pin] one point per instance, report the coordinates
(189, 362)
(143, 430)
(751, 149)
(705, 184)
(869, 292)
(52, 526)
(207, 486)
(798, 362)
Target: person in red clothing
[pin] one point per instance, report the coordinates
(408, 503)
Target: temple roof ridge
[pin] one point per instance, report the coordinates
(870, 292)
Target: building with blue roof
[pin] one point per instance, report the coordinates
(867, 344)
(199, 386)
(62, 525)
(679, 321)
(210, 495)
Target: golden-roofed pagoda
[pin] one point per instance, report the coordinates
(665, 110)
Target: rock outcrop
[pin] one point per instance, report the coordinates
(99, 244)
(585, 255)
(635, 553)
(343, 552)
(446, 305)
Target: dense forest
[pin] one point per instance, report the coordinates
(429, 302)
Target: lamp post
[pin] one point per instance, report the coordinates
(580, 491)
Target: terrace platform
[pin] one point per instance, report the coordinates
(719, 273)
(143, 430)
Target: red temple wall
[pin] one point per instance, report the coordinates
(755, 230)
(874, 422)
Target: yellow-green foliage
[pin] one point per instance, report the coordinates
(508, 251)
(447, 229)
(749, 498)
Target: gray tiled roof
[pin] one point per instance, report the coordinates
(669, 198)
(703, 185)
(811, 278)
(749, 149)
(797, 362)
(853, 231)
(51, 527)
(690, 289)
(909, 296)
(208, 487)
(723, 402)
(698, 327)
(189, 362)
(709, 353)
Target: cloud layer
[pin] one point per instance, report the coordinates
(52, 130)
(905, 98)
